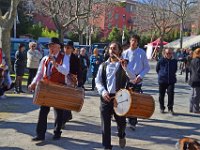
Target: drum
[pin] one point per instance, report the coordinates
(58, 96)
(132, 104)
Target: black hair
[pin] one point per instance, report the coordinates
(21, 45)
(119, 46)
(135, 36)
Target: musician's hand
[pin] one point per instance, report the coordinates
(97, 62)
(138, 79)
(106, 97)
(123, 63)
(2, 66)
(53, 60)
(32, 86)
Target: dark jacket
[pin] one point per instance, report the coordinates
(75, 68)
(166, 69)
(85, 62)
(195, 72)
(20, 59)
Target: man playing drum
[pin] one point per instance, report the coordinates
(53, 68)
(139, 66)
(111, 77)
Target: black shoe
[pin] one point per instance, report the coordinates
(132, 126)
(21, 91)
(171, 111)
(56, 137)
(69, 118)
(37, 138)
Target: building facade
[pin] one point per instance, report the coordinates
(121, 14)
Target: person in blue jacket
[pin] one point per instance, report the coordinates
(95, 61)
(166, 69)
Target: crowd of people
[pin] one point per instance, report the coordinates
(119, 67)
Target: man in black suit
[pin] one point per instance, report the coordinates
(75, 71)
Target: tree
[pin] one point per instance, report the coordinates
(115, 35)
(85, 25)
(62, 12)
(181, 8)
(155, 15)
(6, 24)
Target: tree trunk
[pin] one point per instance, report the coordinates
(80, 35)
(5, 42)
(161, 43)
(181, 34)
(61, 35)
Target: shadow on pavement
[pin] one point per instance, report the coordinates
(17, 104)
(159, 131)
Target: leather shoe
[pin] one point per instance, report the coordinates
(56, 137)
(122, 142)
(37, 138)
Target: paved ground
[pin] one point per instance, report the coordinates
(18, 117)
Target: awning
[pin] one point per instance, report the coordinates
(188, 42)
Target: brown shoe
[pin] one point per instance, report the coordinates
(122, 142)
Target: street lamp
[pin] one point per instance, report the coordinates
(16, 21)
(123, 36)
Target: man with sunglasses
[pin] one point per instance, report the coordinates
(166, 69)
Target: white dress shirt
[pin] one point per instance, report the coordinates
(137, 62)
(64, 68)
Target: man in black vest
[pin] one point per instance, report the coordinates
(75, 70)
(111, 77)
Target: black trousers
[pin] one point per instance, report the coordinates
(187, 72)
(136, 88)
(170, 92)
(32, 73)
(42, 121)
(67, 114)
(106, 113)
(94, 74)
(84, 75)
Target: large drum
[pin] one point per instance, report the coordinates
(58, 96)
(132, 104)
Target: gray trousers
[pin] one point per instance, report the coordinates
(195, 100)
